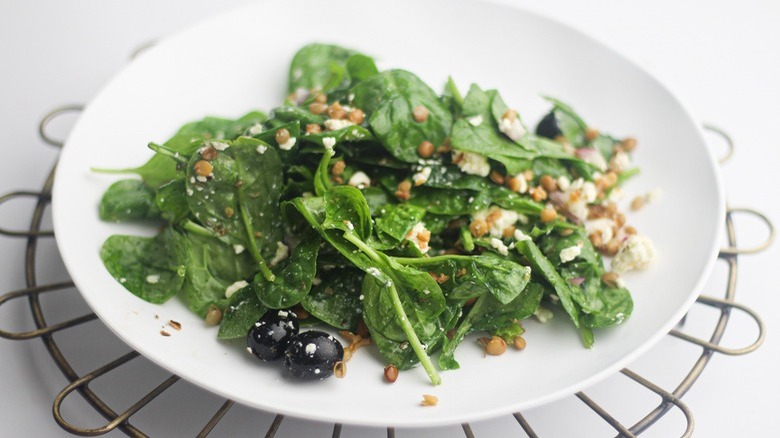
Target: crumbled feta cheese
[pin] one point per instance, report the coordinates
(360, 180)
(543, 314)
(563, 183)
(282, 252)
(512, 127)
(620, 161)
(329, 143)
(218, 145)
(604, 225)
(283, 313)
(374, 271)
(570, 253)
(636, 252)
(578, 209)
(475, 120)
(497, 219)
(616, 194)
(316, 281)
(311, 349)
(300, 94)
(499, 246)
(152, 279)
(334, 124)
(419, 236)
(471, 163)
(286, 146)
(589, 192)
(520, 236)
(522, 183)
(238, 249)
(201, 178)
(422, 176)
(350, 225)
(255, 129)
(261, 148)
(235, 287)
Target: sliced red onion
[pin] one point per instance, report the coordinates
(576, 280)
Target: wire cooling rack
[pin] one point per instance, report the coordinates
(670, 399)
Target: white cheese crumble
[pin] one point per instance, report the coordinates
(589, 192)
(497, 219)
(235, 287)
(471, 163)
(522, 183)
(543, 314)
(219, 145)
(563, 183)
(255, 129)
(520, 236)
(350, 225)
(329, 143)
(300, 94)
(286, 146)
(152, 279)
(311, 349)
(335, 124)
(512, 127)
(620, 161)
(414, 236)
(604, 225)
(238, 248)
(201, 178)
(282, 252)
(360, 180)
(570, 253)
(499, 246)
(261, 148)
(422, 176)
(475, 120)
(636, 252)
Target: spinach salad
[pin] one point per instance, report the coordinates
(369, 203)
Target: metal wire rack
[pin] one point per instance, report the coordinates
(669, 399)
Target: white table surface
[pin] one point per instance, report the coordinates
(722, 59)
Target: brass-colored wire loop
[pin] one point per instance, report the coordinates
(726, 306)
(725, 137)
(29, 233)
(734, 250)
(51, 115)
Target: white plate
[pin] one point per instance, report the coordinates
(237, 62)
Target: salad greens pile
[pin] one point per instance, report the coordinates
(368, 198)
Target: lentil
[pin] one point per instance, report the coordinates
(356, 116)
(213, 315)
(317, 108)
(548, 214)
(548, 183)
(391, 373)
(282, 136)
(519, 342)
(313, 128)
(496, 346)
(203, 168)
(420, 113)
(425, 149)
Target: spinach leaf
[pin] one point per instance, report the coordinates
(489, 314)
(388, 99)
(171, 200)
(127, 200)
(395, 221)
(211, 267)
(293, 278)
(239, 316)
(239, 201)
(346, 209)
(471, 276)
(361, 67)
(336, 301)
(153, 279)
(318, 66)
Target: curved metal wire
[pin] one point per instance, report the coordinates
(121, 421)
(51, 115)
(727, 138)
(732, 249)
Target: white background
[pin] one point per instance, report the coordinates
(720, 57)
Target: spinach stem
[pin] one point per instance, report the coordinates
(416, 261)
(197, 229)
(411, 335)
(367, 250)
(165, 150)
(253, 249)
(414, 341)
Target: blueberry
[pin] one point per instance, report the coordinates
(312, 355)
(548, 126)
(270, 335)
